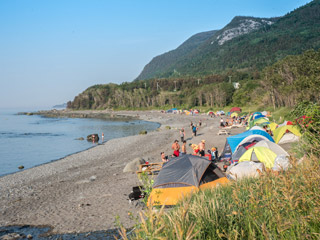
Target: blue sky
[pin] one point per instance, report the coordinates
(52, 50)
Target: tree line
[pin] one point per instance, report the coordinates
(285, 83)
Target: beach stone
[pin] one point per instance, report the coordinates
(93, 178)
(143, 132)
(133, 165)
(92, 137)
(12, 236)
(21, 167)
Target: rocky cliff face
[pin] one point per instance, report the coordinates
(243, 26)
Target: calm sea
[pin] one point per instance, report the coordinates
(34, 140)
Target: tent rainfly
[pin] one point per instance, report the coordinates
(182, 176)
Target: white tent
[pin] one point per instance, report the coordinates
(257, 128)
(272, 146)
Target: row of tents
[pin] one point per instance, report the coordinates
(249, 152)
(255, 149)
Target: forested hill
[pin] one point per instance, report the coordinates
(164, 62)
(245, 43)
(275, 61)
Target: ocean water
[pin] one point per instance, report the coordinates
(34, 140)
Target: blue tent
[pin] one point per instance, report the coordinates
(258, 116)
(234, 141)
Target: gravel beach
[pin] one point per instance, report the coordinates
(87, 190)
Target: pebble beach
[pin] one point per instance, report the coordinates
(88, 190)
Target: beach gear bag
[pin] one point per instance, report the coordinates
(137, 193)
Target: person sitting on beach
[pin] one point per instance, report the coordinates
(221, 123)
(227, 122)
(184, 147)
(176, 147)
(182, 134)
(202, 147)
(164, 158)
(214, 154)
(195, 148)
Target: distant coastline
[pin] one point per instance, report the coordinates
(106, 114)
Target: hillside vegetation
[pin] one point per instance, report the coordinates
(285, 83)
(274, 60)
(249, 43)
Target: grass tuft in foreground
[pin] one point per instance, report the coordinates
(274, 206)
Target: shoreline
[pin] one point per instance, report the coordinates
(85, 191)
(83, 114)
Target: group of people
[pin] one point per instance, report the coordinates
(230, 121)
(176, 147)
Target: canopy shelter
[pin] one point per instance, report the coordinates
(286, 134)
(182, 176)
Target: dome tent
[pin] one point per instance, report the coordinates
(235, 109)
(286, 134)
(259, 154)
(184, 175)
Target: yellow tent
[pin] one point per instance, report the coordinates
(234, 114)
(261, 154)
(273, 126)
(281, 131)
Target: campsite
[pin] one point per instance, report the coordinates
(255, 152)
(178, 120)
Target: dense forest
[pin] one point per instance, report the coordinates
(285, 83)
(275, 61)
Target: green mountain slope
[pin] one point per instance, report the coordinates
(164, 62)
(260, 42)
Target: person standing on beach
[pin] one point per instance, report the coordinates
(182, 134)
(176, 147)
(184, 148)
(194, 130)
(202, 147)
(200, 123)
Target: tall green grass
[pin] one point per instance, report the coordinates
(274, 206)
